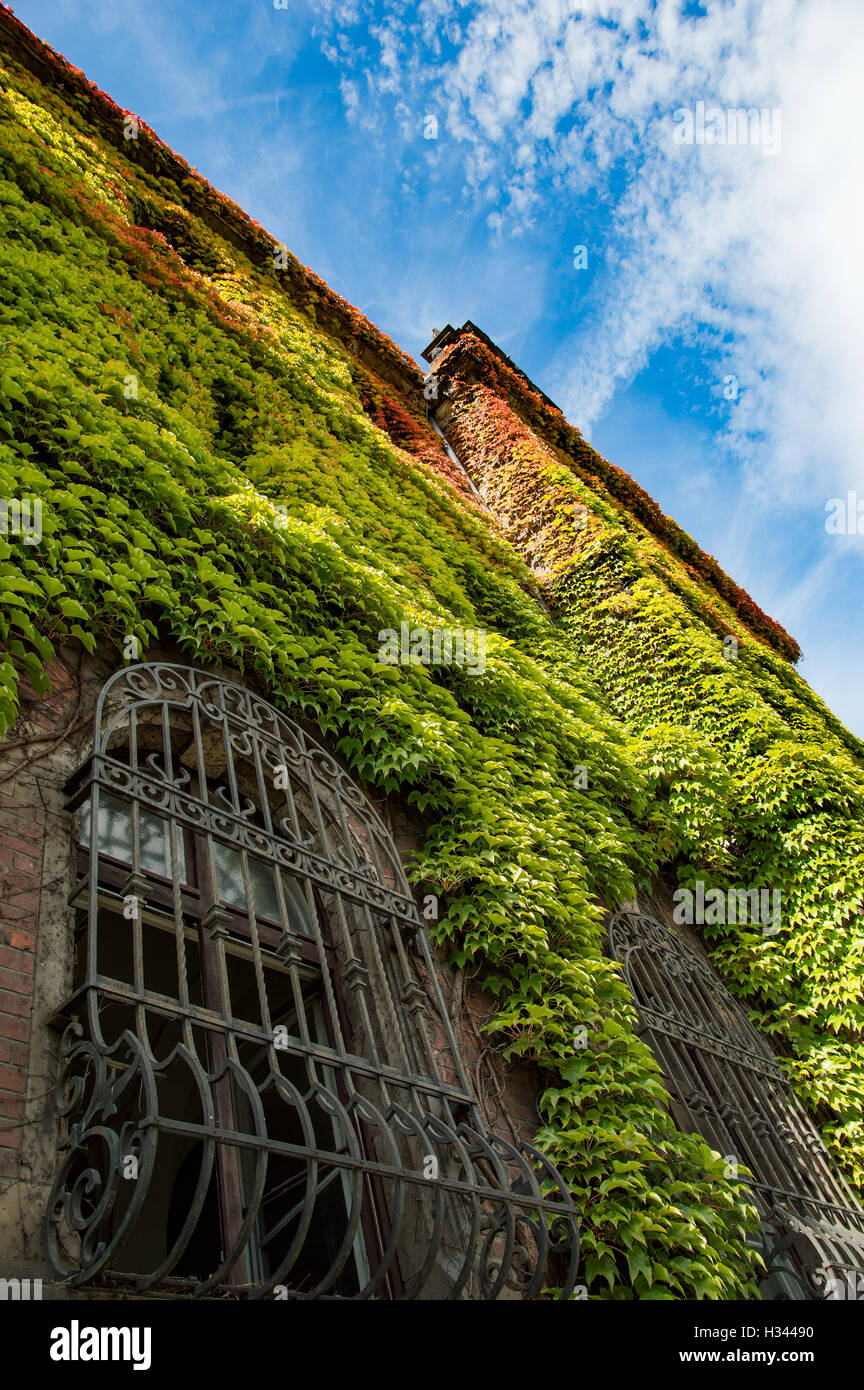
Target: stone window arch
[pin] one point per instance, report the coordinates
(261, 1094)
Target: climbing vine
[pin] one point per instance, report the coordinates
(766, 786)
(469, 354)
(219, 465)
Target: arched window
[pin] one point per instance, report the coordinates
(725, 1084)
(261, 1092)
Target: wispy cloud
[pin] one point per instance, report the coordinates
(757, 253)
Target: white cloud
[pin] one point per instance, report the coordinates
(758, 251)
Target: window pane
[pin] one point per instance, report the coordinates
(115, 836)
(229, 880)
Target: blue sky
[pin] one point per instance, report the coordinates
(555, 128)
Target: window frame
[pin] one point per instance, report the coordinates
(724, 1080)
(398, 1086)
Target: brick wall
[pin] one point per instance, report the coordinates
(21, 838)
(31, 762)
(36, 757)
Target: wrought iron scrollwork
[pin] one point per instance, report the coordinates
(260, 1098)
(725, 1084)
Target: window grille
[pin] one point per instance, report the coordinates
(725, 1084)
(261, 1093)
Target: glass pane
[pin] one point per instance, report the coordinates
(115, 836)
(296, 906)
(229, 880)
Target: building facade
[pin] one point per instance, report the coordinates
(390, 798)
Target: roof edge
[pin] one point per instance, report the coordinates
(225, 216)
(466, 353)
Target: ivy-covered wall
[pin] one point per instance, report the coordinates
(765, 783)
(230, 457)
